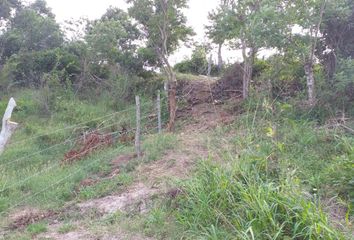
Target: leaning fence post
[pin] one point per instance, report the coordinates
(158, 106)
(138, 127)
(8, 127)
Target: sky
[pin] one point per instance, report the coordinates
(197, 16)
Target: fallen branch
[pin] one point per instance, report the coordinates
(347, 128)
(8, 127)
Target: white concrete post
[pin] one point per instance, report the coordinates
(8, 127)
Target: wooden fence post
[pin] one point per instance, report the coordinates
(158, 106)
(138, 127)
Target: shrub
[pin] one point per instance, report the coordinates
(197, 64)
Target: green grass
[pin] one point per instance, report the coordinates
(157, 145)
(54, 187)
(158, 223)
(274, 172)
(106, 186)
(31, 172)
(239, 203)
(66, 228)
(37, 228)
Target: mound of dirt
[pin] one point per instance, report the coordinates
(201, 100)
(136, 199)
(230, 85)
(29, 216)
(196, 91)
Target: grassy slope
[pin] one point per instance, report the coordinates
(277, 176)
(273, 175)
(33, 175)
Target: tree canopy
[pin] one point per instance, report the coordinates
(313, 42)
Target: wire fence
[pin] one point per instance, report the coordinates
(46, 165)
(67, 141)
(28, 197)
(71, 127)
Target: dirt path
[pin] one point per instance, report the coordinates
(152, 180)
(200, 113)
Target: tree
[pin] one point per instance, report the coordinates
(26, 44)
(239, 18)
(6, 7)
(198, 63)
(308, 15)
(337, 35)
(217, 31)
(112, 40)
(32, 28)
(252, 25)
(164, 26)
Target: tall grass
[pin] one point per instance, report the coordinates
(273, 172)
(238, 203)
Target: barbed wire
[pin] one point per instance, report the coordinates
(79, 124)
(57, 145)
(57, 164)
(49, 168)
(51, 147)
(54, 184)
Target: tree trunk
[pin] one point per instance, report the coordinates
(309, 61)
(220, 61)
(248, 60)
(310, 82)
(8, 127)
(247, 77)
(171, 86)
(172, 102)
(210, 64)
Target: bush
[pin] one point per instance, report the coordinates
(285, 74)
(338, 93)
(27, 69)
(197, 64)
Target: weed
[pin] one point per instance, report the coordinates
(156, 146)
(37, 228)
(238, 203)
(107, 186)
(66, 228)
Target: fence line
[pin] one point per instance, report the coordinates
(52, 185)
(49, 148)
(54, 165)
(45, 170)
(56, 145)
(56, 183)
(76, 125)
(138, 127)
